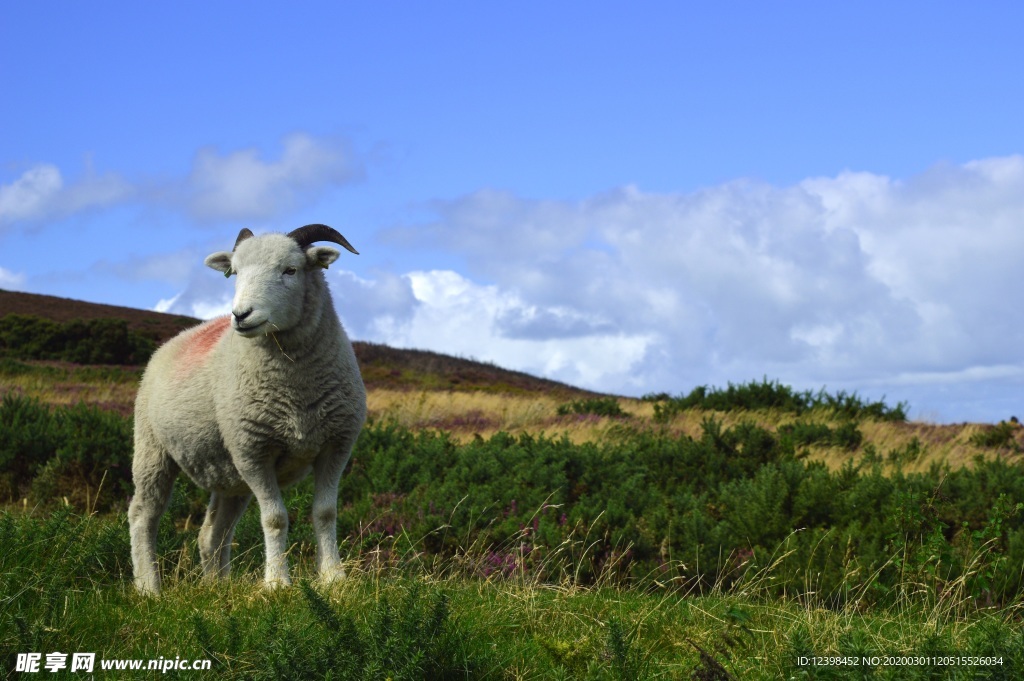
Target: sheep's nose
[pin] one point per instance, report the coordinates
(240, 316)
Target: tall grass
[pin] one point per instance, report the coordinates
(64, 587)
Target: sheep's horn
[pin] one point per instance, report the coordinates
(242, 236)
(305, 236)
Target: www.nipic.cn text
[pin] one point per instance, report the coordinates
(86, 662)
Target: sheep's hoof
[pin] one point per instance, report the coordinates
(275, 584)
(332, 575)
(147, 588)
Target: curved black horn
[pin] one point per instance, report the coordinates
(242, 236)
(305, 236)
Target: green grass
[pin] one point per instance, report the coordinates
(64, 586)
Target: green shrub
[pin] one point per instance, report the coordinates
(10, 367)
(847, 435)
(27, 441)
(997, 437)
(47, 555)
(802, 434)
(64, 452)
(909, 453)
(96, 341)
(93, 458)
(774, 396)
(598, 406)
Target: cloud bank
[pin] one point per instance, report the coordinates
(857, 281)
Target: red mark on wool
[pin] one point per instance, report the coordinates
(202, 339)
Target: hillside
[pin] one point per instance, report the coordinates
(382, 366)
(156, 325)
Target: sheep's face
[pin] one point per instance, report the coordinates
(272, 274)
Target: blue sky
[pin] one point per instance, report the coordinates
(632, 198)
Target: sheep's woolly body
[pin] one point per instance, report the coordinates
(242, 415)
(228, 393)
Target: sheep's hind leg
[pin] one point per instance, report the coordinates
(218, 529)
(154, 479)
(326, 474)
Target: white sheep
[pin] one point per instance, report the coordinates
(248, 404)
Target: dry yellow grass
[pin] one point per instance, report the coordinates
(466, 414)
(111, 395)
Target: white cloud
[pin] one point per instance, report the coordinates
(166, 304)
(12, 281)
(205, 295)
(460, 317)
(27, 197)
(40, 193)
(241, 185)
(370, 309)
(854, 281)
(194, 304)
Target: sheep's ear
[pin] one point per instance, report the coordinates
(220, 261)
(321, 256)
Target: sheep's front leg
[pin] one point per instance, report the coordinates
(326, 474)
(262, 480)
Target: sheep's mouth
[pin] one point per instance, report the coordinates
(249, 330)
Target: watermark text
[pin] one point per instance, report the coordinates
(33, 663)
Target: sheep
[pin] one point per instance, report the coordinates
(249, 403)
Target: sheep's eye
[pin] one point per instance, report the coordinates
(290, 271)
